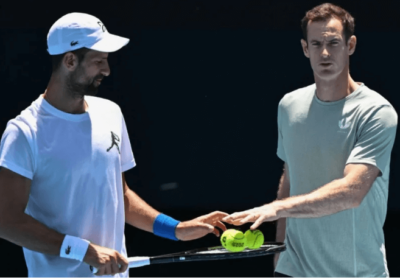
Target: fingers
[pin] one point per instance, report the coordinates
(110, 268)
(210, 223)
(256, 224)
(235, 217)
(100, 271)
(123, 263)
(213, 217)
(249, 218)
(216, 232)
(107, 261)
(221, 225)
(214, 229)
(107, 270)
(219, 215)
(210, 228)
(114, 268)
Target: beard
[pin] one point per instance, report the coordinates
(79, 89)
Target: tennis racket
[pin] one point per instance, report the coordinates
(206, 254)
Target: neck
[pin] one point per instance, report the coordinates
(61, 98)
(336, 88)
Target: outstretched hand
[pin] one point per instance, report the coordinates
(258, 215)
(201, 226)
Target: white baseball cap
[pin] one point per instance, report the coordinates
(77, 30)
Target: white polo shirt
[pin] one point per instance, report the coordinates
(75, 163)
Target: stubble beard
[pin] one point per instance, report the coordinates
(77, 89)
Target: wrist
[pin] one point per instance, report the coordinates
(74, 248)
(165, 226)
(280, 208)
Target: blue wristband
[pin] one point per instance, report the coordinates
(164, 226)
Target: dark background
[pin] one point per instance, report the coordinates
(199, 85)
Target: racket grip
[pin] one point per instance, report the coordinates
(133, 262)
(138, 261)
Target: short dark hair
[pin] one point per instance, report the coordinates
(56, 59)
(328, 11)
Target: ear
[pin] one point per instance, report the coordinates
(304, 45)
(70, 61)
(351, 44)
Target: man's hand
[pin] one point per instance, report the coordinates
(200, 226)
(266, 213)
(107, 261)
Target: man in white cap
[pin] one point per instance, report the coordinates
(63, 194)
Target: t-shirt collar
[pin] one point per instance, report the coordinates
(43, 103)
(350, 96)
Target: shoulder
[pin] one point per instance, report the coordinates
(296, 96)
(17, 133)
(23, 125)
(103, 104)
(14, 128)
(374, 105)
(373, 110)
(370, 97)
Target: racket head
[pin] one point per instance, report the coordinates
(220, 253)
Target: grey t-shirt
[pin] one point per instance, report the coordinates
(317, 139)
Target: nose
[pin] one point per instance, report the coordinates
(325, 53)
(105, 71)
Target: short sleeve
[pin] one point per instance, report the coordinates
(127, 159)
(376, 138)
(16, 153)
(281, 150)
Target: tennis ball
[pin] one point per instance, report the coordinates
(233, 240)
(254, 238)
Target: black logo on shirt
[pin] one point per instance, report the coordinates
(114, 138)
(74, 43)
(68, 250)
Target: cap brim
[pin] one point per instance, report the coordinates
(110, 43)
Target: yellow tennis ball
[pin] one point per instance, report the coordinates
(254, 238)
(233, 240)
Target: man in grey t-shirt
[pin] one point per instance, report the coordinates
(335, 137)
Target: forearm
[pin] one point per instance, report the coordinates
(27, 232)
(138, 213)
(333, 197)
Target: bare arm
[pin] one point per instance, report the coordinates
(341, 194)
(15, 225)
(137, 212)
(338, 195)
(283, 192)
(141, 215)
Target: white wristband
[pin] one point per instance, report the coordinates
(74, 248)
